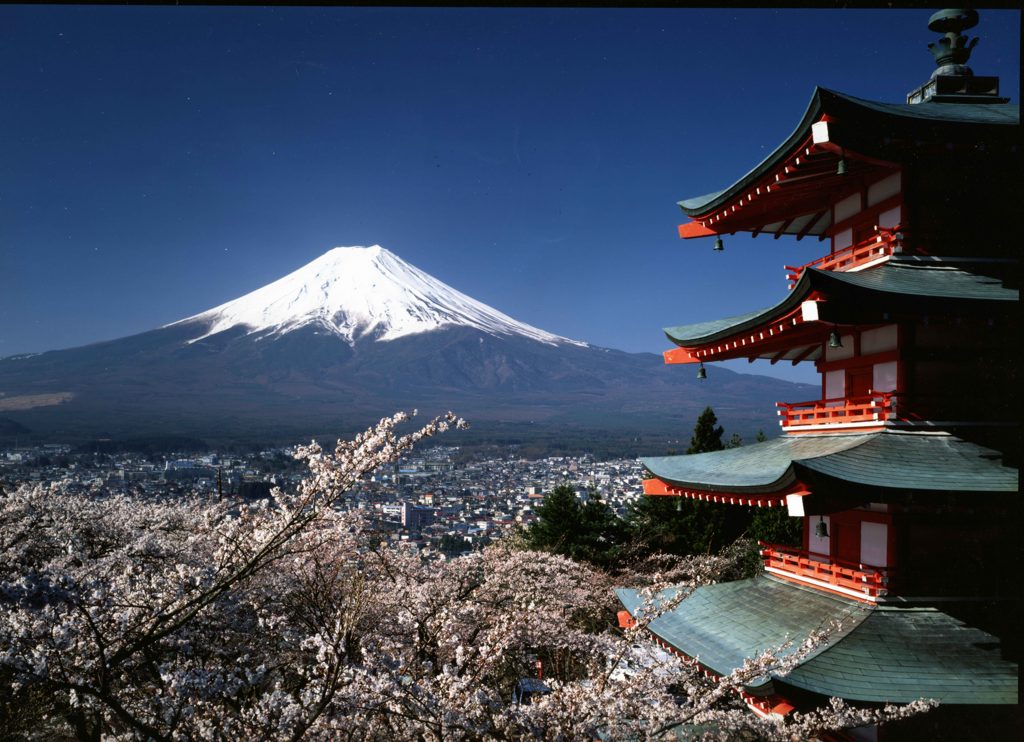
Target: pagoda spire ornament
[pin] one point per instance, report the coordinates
(952, 81)
(953, 50)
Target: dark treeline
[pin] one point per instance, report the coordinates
(588, 530)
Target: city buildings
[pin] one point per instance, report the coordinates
(439, 501)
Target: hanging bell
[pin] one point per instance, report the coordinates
(841, 167)
(821, 530)
(719, 245)
(834, 340)
(702, 372)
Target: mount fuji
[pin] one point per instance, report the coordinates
(350, 337)
(359, 293)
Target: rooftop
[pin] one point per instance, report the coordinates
(892, 461)
(904, 283)
(882, 654)
(928, 123)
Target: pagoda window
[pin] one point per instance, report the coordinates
(884, 377)
(858, 217)
(846, 208)
(890, 218)
(835, 384)
(870, 365)
(842, 239)
(883, 189)
(874, 543)
(878, 339)
(856, 537)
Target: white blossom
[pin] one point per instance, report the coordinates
(131, 618)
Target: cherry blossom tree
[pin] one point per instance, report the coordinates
(135, 618)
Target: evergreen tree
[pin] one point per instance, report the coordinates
(706, 437)
(599, 534)
(587, 531)
(557, 517)
(673, 525)
(681, 526)
(776, 526)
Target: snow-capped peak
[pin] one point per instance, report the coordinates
(362, 291)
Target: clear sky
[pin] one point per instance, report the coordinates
(158, 161)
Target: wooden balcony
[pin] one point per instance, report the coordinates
(870, 411)
(860, 581)
(876, 249)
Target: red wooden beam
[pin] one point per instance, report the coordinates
(694, 229)
(781, 230)
(679, 355)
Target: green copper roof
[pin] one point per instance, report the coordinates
(936, 282)
(877, 654)
(689, 333)
(915, 277)
(760, 467)
(935, 462)
(899, 654)
(721, 625)
(893, 460)
(929, 117)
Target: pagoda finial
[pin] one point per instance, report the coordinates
(952, 81)
(952, 51)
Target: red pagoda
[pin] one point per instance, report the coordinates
(904, 472)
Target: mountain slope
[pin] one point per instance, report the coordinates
(361, 292)
(348, 338)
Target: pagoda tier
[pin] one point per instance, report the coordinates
(877, 654)
(819, 474)
(903, 471)
(887, 341)
(795, 190)
(904, 288)
(856, 494)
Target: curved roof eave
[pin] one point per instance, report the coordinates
(724, 623)
(766, 467)
(1003, 116)
(874, 653)
(904, 461)
(701, 204)
(706, 332)
(896, 280)
(888, 462)
(898, 654)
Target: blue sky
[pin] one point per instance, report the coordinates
(157, 161)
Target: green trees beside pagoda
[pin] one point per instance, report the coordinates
(582, 530)
(588, 530)
(707, 434)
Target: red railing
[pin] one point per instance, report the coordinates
(866, 580)
(885, 242)
(875, 407)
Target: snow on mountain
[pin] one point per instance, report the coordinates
(357, 292)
